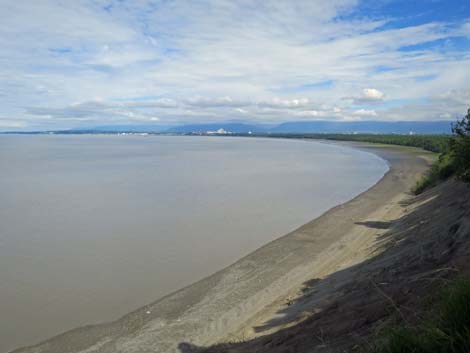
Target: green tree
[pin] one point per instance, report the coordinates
(460, 146)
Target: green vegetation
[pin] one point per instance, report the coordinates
(443, 168)
(446, 329)
(433, 143)
(460, 147)
(454, 160)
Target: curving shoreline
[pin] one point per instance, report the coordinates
(225, 303)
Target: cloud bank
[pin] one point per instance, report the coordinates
(91, 62)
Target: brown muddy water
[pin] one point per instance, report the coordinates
(94, 226)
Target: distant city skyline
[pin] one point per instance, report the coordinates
(72, 64)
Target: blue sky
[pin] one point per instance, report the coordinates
(66, 64)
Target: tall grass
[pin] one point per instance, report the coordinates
(446, 330)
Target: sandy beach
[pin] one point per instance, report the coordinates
(246, 299)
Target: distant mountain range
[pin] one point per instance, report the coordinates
(232, 127)
(373, 127)
(346, 127)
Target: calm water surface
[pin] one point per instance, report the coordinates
(92, 227)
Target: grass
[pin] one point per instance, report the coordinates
(440, 170)
(446, 330)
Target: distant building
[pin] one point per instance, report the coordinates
(220, 131)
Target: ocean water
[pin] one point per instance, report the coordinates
(95, 226)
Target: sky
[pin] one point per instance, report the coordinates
(83, 63)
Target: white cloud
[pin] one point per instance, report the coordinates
(240, 110)
(459, 97)
(309, 113)
(201, 61)
(214, 102)
(153, 103)
(365, 113)
(372, 94)
(9, 124)
(368, 95)
(351, 118)
(100, 111)
(285, 103)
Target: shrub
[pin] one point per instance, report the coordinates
(454, 161)
(460, 146)
(440, 170)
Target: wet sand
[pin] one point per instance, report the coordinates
(244, 295)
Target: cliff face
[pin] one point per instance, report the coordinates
(413, 255)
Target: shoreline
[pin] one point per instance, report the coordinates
(251, 285)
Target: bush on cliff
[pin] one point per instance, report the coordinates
(460, 146)
(455, 161)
